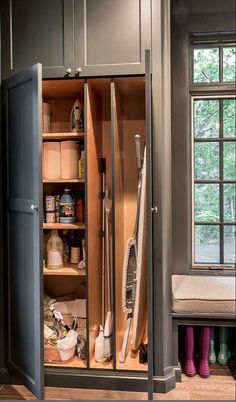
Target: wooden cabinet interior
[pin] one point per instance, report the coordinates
(114, 112)
(129, 119)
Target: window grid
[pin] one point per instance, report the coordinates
(209, 45)
(221, 140)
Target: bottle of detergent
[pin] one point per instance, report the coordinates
(77, 117)
(54, 251)
(67, 207)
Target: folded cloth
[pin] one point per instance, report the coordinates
(76, 308)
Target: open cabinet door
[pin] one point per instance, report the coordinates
(150, 210)
(22, 100)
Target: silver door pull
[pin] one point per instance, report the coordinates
(34, 207)
(154, 209)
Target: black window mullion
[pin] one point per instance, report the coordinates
(221, 185)
(221, 63)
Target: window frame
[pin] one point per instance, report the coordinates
(208, 90)
(221, 223)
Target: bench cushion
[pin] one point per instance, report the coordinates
(204, 294)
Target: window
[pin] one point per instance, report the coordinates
(213, 155)
(213, 64)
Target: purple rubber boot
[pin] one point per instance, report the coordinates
(204, 346)
(189, 366)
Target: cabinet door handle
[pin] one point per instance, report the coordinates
(78, 71)
(34, 207)
(154, 209)
(68, 72)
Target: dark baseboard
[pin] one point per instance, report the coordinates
(4, 376)
(112, 380)
(96, 379)
(178, 373)
(164, 384)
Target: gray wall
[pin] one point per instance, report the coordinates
(188, 16)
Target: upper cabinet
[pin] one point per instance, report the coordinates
(71, 37)
(111, 36)
(37, 32)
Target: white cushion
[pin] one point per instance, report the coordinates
(204, 294)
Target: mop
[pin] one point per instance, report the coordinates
(130, 263)
(99, 342)
(103, 346)
(109, 319)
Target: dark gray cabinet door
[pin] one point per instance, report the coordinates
(22, 98)
(36, 31)
(111, 36)
(150, 211)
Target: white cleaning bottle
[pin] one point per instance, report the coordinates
(54, 251)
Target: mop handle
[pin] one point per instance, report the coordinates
(103, 166)
(108, 265)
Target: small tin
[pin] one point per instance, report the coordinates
(50, 217)
(50, 203)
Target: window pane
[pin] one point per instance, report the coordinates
(229, 244)
(207, 243)
(206, 118)
(229, 117)
(229, 202)
(229, 63)
(229, 160)
(206, 160)
(206, 202)
(206, 65)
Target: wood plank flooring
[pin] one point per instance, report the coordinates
(217, 387)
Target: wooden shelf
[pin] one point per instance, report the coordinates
(58, 225)
(65, 181)
(75, 362)
(105, 365)
(69, 269)
(63, 136)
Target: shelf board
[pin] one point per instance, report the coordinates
(63, 136)
(69, 269)
(58, 225)
(65, 181)
(74, 362)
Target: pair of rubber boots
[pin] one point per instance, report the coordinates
(224, 353)
(189, 366)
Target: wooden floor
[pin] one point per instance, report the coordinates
(217, 387)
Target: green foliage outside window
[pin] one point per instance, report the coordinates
(206, 65)
(229, 63)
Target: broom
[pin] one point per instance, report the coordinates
(130, 263)
(109, 319)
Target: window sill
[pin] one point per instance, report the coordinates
(212, 272)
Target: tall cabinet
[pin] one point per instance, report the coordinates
(119, 101)
(114, 111)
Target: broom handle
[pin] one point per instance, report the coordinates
(108, 264)
(103, 161)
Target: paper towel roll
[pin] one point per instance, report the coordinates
(51, 160)
(46, 117)
(69, 159)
